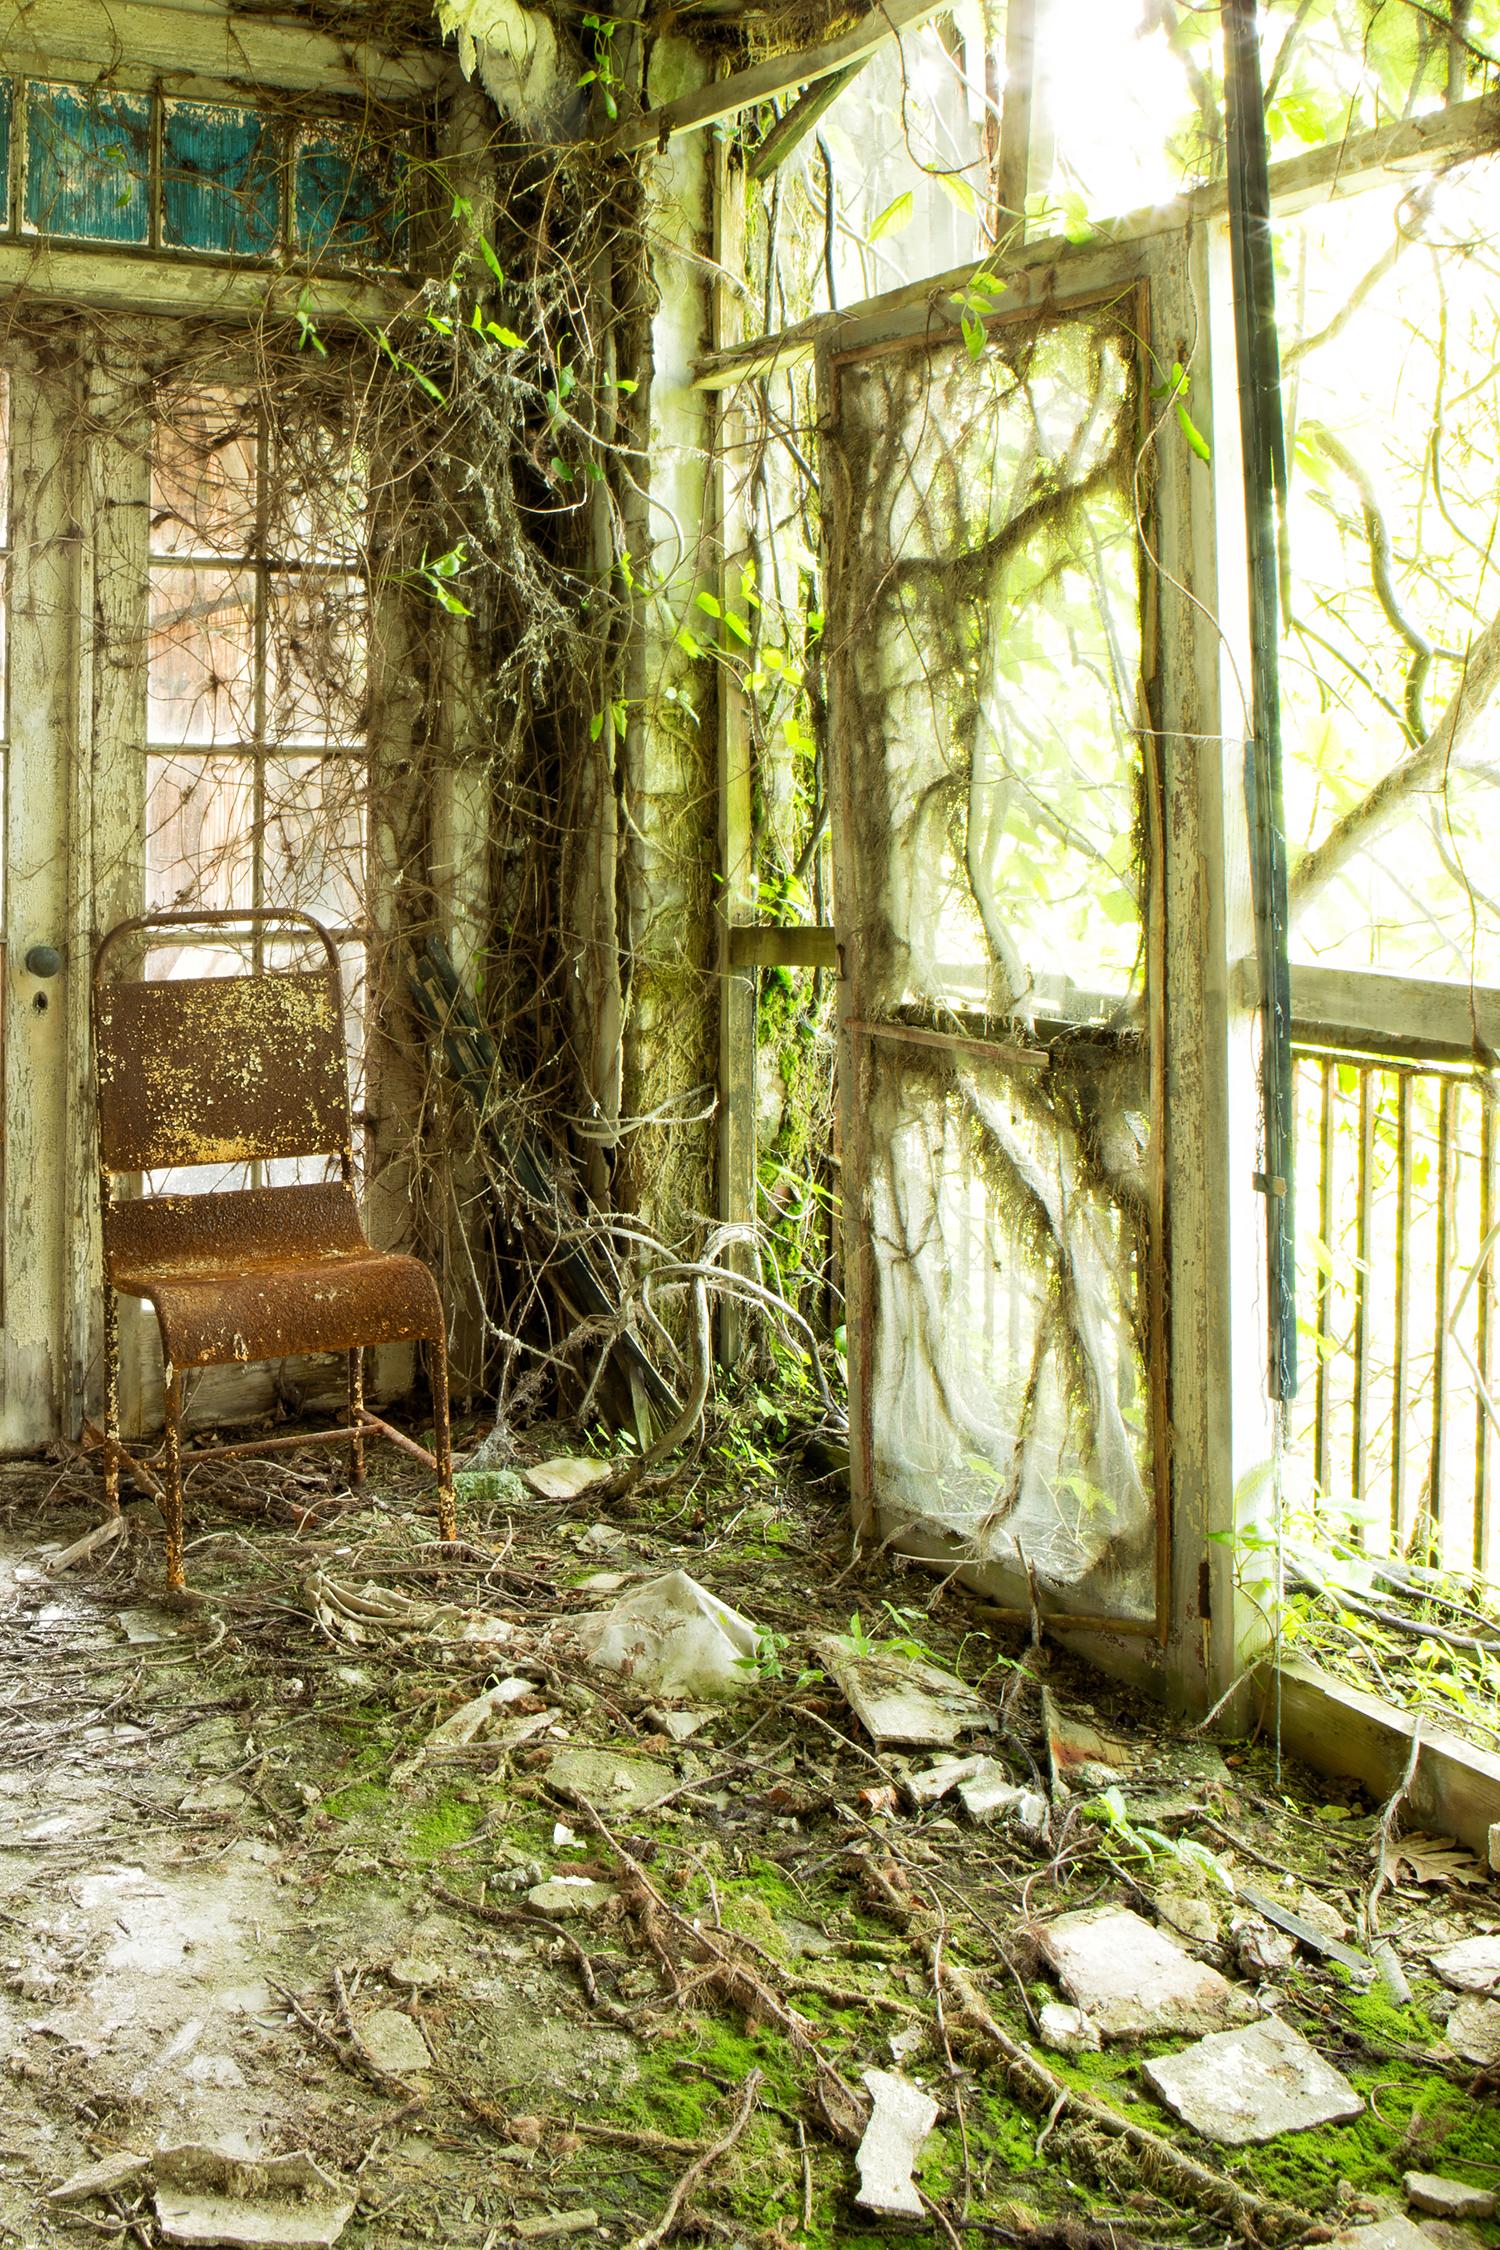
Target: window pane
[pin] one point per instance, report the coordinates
(88, 163)
(315, 836)
(200, 815)
(319, 492)
(201, 678)
(317, 658)
(203, 476)
(347, 197)
(220, 179)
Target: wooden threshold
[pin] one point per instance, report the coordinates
(1455, 1789)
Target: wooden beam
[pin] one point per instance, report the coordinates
(1455, 1789)
(755, 946)
(165, 38)
(1296, 184)
(1365, 1011)
(127, 281)
(762, 81)
(791, 131)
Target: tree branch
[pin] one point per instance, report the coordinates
(1380, 806)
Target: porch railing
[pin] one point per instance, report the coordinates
(1397, 1153)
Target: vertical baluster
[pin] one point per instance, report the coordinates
(1359, 1438)
(1401, 1346)
(1484, 1434)
(1441, 1267)
(1323, 1435)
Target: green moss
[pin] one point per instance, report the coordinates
(360, 1800)
(439, 1826)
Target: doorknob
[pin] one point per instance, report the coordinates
(43, 960)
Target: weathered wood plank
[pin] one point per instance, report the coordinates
(1362, 1009)
(134, 281)
(1455, 1789)
(154, 37)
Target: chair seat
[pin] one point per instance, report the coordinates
(266, 1273)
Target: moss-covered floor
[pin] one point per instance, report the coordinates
(227, 1845)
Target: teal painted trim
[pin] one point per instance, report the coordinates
(88, 163)
(220, 179)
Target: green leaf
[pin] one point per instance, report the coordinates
(596, 726)
(958, 190)
(487, 252)
(894, 217)
(974, 338)
(737, 626)
(505, 336)
(710, 605)
(686, 641)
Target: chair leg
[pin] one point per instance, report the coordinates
(442, 1442)
(172, 1483)
(111, 1401)
(356, 1411)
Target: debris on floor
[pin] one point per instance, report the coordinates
(203, 2196)
(1251, 2084)
(901, 2117)
(673, 1638)
(368, 1862)
(899, 1698)
(1131, 1979)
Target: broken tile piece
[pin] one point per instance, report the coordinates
(989, 1790)
(610, 1784)
(900, 2121)
(1251, 2084)
(1474, 2029)
(275, 2203)
(899, 1699)
(101, 2178)
(1473, 1965)
(395, 2043)
(1394, 2233)
(1133, 1979)
(1080, 1755)
(1448, 2199)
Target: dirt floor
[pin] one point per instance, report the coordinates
(504, 1993)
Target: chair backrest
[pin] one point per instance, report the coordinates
(218, 1070)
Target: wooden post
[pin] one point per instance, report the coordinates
(738, 981)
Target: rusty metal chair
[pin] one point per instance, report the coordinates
(239, 1070)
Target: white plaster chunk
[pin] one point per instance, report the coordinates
(989, 1790)
(1474, 2029)
(900, 2121)
(1068, 2030)
(274, 2203)
(673, 1637)
(1448, 2199)
(568, 1475)
(395, 2043)
(569, 1894)
(610, 1784)
(1251, 2084)
(1473, 1965)
(1133, 1979)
